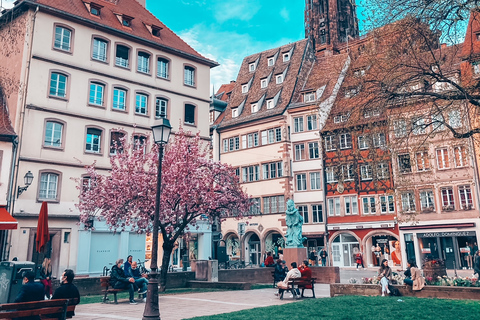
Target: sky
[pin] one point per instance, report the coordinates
(226, 31)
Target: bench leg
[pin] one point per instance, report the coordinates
(115, 297)
(313, 291)
(303, 290)
(105, 298)
(281, 291)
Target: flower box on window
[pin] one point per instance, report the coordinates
(448, 208)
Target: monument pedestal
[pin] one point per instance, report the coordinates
(294, 255)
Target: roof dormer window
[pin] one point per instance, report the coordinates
(244, 88)
(252, 67)
(95, 10)
(127, 21)
(279, 78)
(254, 107)
(309, 97)
(263, 83)
(286, 57)
(156, 31)
(271, 61)
(234, 112)
(270, 104)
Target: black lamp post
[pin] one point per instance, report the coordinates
(161, 133)
(27, 179)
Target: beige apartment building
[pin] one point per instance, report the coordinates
(89, 73)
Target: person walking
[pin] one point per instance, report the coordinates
(385, 275)
(359, 260)
(313, 258)
(46, 277)
(323, 256)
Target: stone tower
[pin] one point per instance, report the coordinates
(330, 23)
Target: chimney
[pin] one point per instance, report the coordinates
(443, 45)
(142, 2)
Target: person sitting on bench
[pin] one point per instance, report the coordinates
(30, 291)
(416, 280)
(67, 289)
(118, 280)
(140, 279)
(293, 273)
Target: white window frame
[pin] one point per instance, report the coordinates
(244, 88)
(313, 150)
(270, 104)
(96, 94)
(330, 174)
(366, 172)
(254, 107)
(315, 181)
(234, 112)
(119, 99)
(362, 142)
(301, 181)
(455, 118)
(330, 143)
(369, 205)
(387, 204)
(462, 156)
(161, 108)
(443, 158)
(53, 134)
(351, 205)
(49, 183)
(143, 62)
(418, 126)
(312, 122)
(347, 172)
(379, 140)
(450, 200)
(99, 51)
(408, 201)
(263, 83)
(298, 124)
(423, 162)
(63, 38)
(466, 197)
(427, 200)
(345, 140)
(271, 61)
(279, 78)
(383, 170)
(141, 103)
(400, 128)
(300, 152)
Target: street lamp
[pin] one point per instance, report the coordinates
(161, 133)
(27, 179)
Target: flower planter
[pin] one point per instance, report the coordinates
(434, 271)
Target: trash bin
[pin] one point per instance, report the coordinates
(11, 277)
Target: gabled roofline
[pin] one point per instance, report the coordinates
(100, 26)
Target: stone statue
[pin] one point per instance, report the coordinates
(294, 222)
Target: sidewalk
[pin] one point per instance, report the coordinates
(189, 305)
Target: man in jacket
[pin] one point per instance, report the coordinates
(118, 280)
(67, 289)
(140, 280)
(30, 291)
(323, 255)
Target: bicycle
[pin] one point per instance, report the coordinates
(141, 267)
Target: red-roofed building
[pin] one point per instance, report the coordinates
(81, 75)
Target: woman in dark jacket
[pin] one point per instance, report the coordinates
(280, 271)
(118, 280)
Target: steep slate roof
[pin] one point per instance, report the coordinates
(262, 71)
(108, 18)
(225, 90)
(471, 45)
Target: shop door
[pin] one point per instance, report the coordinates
(448, 252)
(336, 255)
(254, 253)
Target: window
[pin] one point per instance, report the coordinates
(345, 141)
(270, 104)
(250, 173)
(190, 114)
(234, 112)
(255, 207)
(244, 88)
(362, 142)
(252, 67)
(351, 205)
(254, 107)
(460, 153)
(162, 68)
(189, 76)
(347, 172)
(442, 158)
(48, 186)
(309, 97)
(99, 49)
(330, 173)
(315, 181)
(366, 172)
(387, 204)
(53, 134)
(303, 211)
(330, 143)
(116, 145)
(96, 94)
(263, 83)
(122, 56)
(379, 140)
(400, 128)
(141, 103)
(272, 170)
(427, 203)
(454, 119)
(476, 64)
(93, 140)
(418, 126)
(58, 85)
(317, 213)
(63, 38)
(383, 172)
(333, 206)
(298, 124)
(250, 140)
(139, 143)
(299, 152)
(438, 122)
(271, 136)
(161, 106)
(279, 78)
(312, 122)
(423, 163)
(286, 57)
(143, 62)
(271, 61)
(404, 163)
(313, 150)
(351, 92)
(448, 203)
(234, 143)
(408, 202)
(466, 201)
(369, 205)
(119, 98)
(341, 118)
(94, 10)
(275, 204)
(126, 21)
(301, 182)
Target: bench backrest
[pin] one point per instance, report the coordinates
(57, 307)
(105, 281)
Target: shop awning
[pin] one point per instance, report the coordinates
(7, 222)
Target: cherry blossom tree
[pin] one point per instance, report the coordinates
(193, 188)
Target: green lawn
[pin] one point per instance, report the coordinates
(363, 308)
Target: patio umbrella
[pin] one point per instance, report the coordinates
(43, 236)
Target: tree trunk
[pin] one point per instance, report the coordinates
(167, 252)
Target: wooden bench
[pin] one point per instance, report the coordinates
(299, 283)
(55, 309)
(105, 283)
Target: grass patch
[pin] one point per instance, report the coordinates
(362, 308)
(124, 295)
(261, 286)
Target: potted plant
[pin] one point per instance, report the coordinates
(434, 268)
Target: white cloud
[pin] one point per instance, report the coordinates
(238, 10)
(7, 3)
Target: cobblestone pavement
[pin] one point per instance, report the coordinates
(184, 306)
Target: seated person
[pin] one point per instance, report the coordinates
(30, 291)
(269, 260)
(118, 280)
(292, 274)
(67, 289)
(416, 281)
(306, 272)
(128, 264)
(280, 271)
(140, 279)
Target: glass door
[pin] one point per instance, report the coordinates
(448, 252)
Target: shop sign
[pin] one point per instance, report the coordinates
(465, 250)
(426, 250)
(381, 240)
(446, 234)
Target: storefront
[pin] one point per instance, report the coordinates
(344, 246)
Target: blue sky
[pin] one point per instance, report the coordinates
(229, 30)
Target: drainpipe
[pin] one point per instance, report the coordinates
(7, 237)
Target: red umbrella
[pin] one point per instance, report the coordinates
(43, 236)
